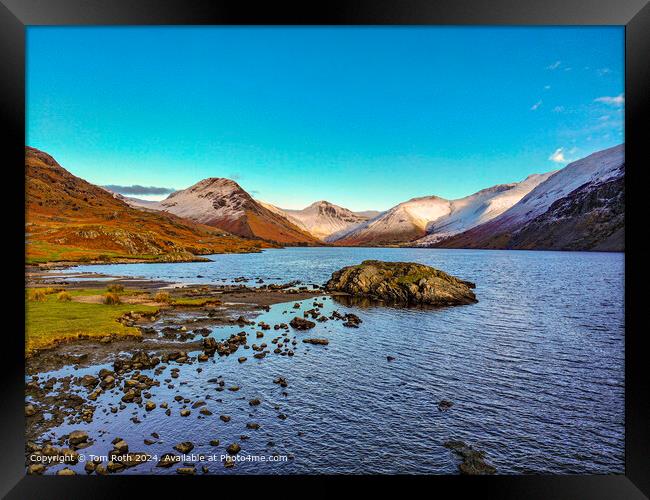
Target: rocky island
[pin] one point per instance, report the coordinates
(402, 283)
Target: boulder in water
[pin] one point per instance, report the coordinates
(402, 283)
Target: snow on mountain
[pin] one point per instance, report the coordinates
(569, 192)
(133, 202)
(223, 203)
(479, 207)
(598, 166)
(404, 222)
(321, 218)
(430, 219)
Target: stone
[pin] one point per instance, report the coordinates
(107, 382)
(89, 381)
(233, 449)
(184, 447)
(77, 437)
(121, 446)
(401, 283)
(444, 405)
(254, 402)
(167, 460)
(316, 341)
(66, 472)
(301, 323)
(473, 460)
(35, 469)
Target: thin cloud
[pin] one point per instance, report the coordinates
(136, 189)
(547, 87)
(535, 106)
(555, 65)
(603, 71)
(618, 100)
(558, 109)
(558, 156)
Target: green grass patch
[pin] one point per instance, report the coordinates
(51, 321)
(198, 302)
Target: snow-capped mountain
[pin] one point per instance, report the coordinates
(322, 218)
(424, 221)
(404, 222)
(578, 207)
(133, 202)
(479, 207)
(224, 204)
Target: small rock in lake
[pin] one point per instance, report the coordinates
(301, 323)
(233, 449)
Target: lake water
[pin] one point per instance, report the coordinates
(535, 370)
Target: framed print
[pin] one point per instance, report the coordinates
(390, 242)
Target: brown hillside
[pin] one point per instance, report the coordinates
(69, 219)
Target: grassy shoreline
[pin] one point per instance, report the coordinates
(50, 321)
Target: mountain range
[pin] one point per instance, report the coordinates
(69, 219)
(580, 207)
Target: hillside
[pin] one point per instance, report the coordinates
(69, 219)
(322, 219)
(222, 203)
(581, 207)
(427, 220)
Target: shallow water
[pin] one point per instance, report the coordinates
(535, 370)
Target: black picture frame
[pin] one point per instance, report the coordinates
(15, 15)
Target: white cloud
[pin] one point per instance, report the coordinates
(603, 71)
(558, 156)
(618, 100)
(555, 65)
(536, 105)
(558, 109)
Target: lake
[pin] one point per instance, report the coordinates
(535, 369)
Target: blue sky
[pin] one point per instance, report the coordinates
(364, 117)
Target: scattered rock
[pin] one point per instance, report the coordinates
(184, 447)
(473, 460)
(316, 341)
(301, 323)
(77, 437)
(35, 469)
(444, 405)
(233, 449)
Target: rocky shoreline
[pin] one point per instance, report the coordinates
(83, 385)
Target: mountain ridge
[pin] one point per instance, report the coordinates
(222, 203)
(70, 219)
